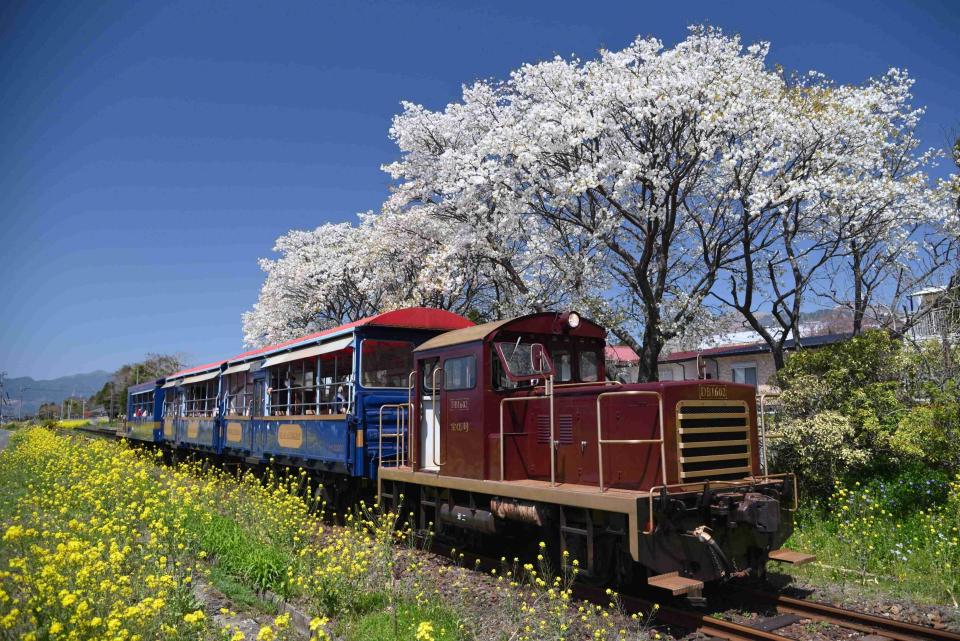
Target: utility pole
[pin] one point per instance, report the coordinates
(2, 397)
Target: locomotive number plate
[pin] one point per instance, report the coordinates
(713, 392)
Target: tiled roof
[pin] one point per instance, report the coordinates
(751, 348)
(621, 353)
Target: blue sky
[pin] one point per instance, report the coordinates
(152, 152)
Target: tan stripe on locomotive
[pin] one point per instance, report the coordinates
(654, 478)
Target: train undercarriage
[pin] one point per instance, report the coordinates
(718, 532)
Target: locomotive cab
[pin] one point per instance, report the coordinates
(514, 425)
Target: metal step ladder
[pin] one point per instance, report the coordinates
(584, 533)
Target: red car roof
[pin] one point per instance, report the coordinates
(408, 317)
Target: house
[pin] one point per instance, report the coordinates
(936, 314)
(750, 363)
(622, 362)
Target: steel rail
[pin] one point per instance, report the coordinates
(677, 617)
(852, 619)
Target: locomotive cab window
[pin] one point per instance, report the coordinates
(563, 362)
(385, 363)
(460, 373)
(589, 366)
(500, 379)
(524, 361)
(430, 375)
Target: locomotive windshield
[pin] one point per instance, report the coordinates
(523, 361)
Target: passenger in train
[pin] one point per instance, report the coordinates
(340, 401)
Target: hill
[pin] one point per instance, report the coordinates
(54, 390)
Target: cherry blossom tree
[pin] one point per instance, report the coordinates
(613, 174)
(342, 272)
(650, 188)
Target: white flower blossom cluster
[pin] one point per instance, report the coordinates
(642, 187)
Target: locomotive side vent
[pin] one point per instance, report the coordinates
(564, 429)
(713, 439)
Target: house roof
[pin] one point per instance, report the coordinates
(743, 349)
(928, 290)
(621, 354)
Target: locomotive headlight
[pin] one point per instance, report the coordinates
(573, 320)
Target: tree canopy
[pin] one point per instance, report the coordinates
(651, 188)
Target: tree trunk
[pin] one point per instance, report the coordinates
(650, 352)
(859, 304)
(779, 357)
(649, 357)
(647, 353)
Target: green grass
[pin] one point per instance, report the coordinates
(239, 593)
(382, 625)
(238, 554)
(868, 537)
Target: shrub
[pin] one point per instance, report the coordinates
(819, 449)
(931, 434)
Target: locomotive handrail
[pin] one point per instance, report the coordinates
(410, 379)
(435, 394)
(762, 420)
(601, 441)
(582, 384)
(548, 395)
(398, 435)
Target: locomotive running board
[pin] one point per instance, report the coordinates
(675, 584)
(783, 555)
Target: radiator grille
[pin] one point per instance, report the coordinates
(713, 439)
(564, 428)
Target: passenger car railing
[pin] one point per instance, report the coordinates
(398, 435)
(602, 441)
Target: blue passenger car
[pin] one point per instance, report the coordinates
(191, 413)
(144, 411)
(318, 401)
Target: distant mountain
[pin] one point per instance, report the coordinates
(54, 390)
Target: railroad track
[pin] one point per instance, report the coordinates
(851, 619)
(688, 619)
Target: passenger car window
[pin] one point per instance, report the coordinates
(589, 367)
(385, 363)
(460, 373)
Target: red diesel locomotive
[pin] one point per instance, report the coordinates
(516, 432)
